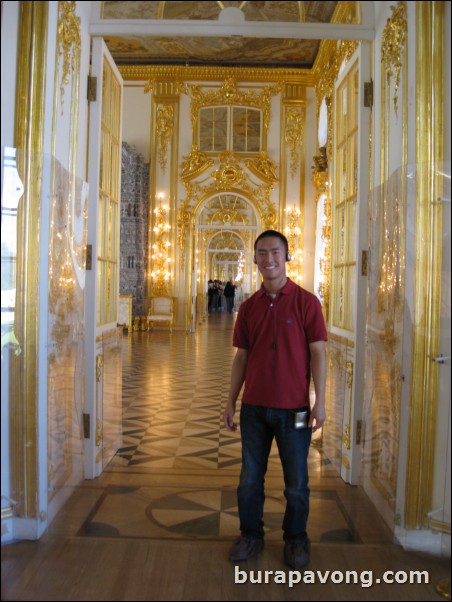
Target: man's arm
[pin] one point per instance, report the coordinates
(238, 373)
(318, 371)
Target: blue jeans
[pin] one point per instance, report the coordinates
(258, 426)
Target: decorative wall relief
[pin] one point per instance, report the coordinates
(320, 180)
(230, 94)
(294, 134)
(165, 116)
(194, 164)
(68, 235)
(228, 174)
(69, 46)
(392, 47)
(338, 354)
(263, 167)
(386, 307)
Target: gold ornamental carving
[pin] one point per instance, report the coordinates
(270, 220)
(349, 380)
(320, 181)
(263, 167)
(229, 174)
(393, 42)
(230, 94)
(99, 434)
(184, 218)
(293, 230)
(320, 162)
(69, 43)
(294, 134)
(325, 261)
(194, 164)
(165, 116)
(99, 363)
(349, 369)
(346, 437)
(327, 65)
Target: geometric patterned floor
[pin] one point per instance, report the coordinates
(173, 395)
(208, 513)
(174, 391)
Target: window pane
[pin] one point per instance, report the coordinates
(213, 129)
(246, 130)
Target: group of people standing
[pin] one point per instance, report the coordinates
(216, 291)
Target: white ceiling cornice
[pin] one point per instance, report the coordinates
(174, 28)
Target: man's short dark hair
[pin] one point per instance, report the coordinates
(275, 234)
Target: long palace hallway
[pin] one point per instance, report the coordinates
(158, 523)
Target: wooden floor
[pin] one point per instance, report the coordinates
(158, 523)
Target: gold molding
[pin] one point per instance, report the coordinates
(99, 370)
(349, 368)
(332, 336)
(242, 74)
(439, 525)
(28, 139)
(428, 245)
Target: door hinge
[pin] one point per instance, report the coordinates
(359, 426)
(364, 262)
(89, 257)
(369, 94)
(92, 89)
(86, 425)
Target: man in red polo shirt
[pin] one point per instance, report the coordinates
(280, 337)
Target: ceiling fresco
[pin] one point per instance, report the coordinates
(217, 50)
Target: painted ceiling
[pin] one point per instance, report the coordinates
(128, 48)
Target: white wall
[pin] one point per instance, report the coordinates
(136, 118)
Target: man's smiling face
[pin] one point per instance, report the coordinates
(271, 258)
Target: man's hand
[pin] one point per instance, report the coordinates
(228, 418)
(317, 418)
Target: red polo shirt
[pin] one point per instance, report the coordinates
(277, 333)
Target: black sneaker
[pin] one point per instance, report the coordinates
(244, 548)
(297, 555)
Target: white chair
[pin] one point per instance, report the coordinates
(161, 312)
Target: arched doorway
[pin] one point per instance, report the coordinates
(225, 228)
